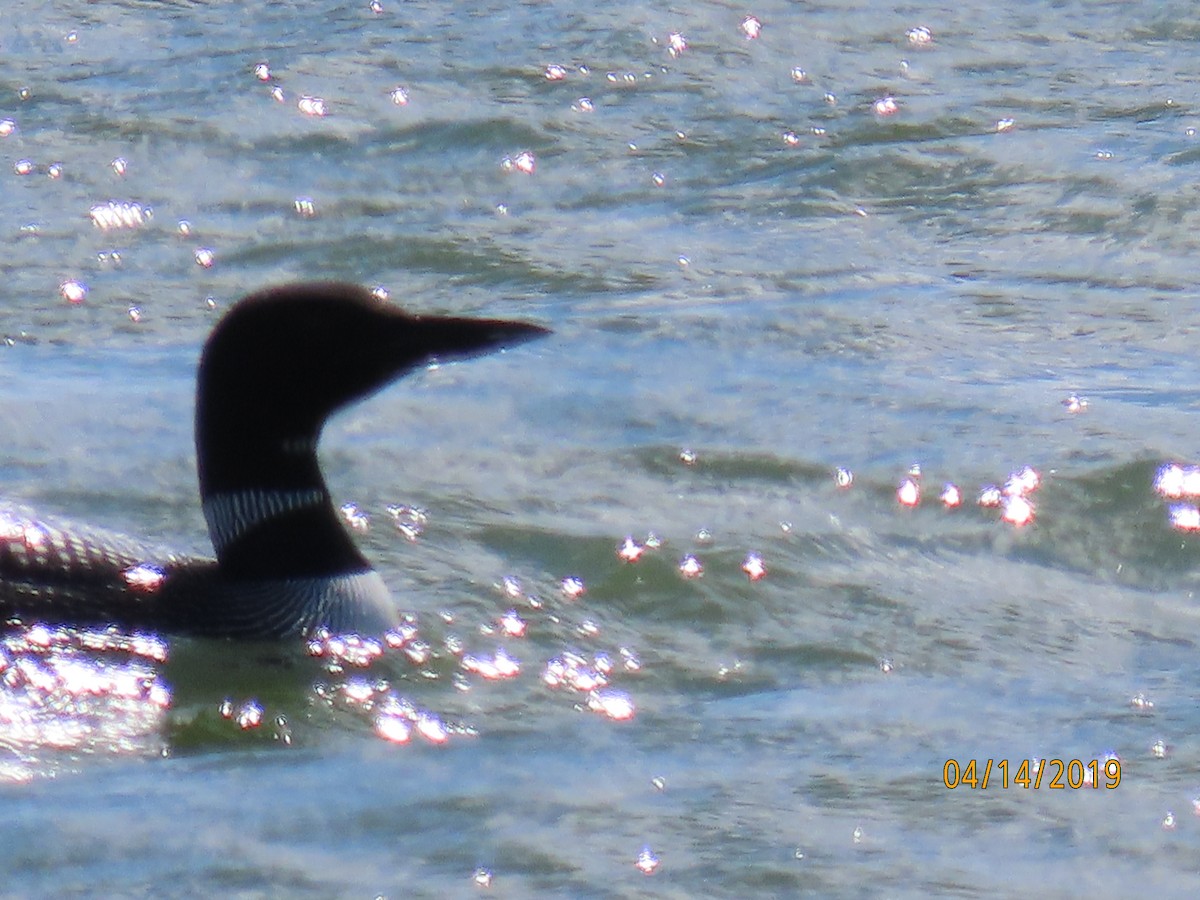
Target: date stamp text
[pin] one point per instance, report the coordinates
(1032, 774)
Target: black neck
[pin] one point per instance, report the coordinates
(268, 509)
(308, 541)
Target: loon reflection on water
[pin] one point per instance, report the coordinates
(275, 367)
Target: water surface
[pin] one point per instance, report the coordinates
(755, 275)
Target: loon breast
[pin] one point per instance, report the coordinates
(275, 367)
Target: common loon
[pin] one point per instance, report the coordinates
(274, 368)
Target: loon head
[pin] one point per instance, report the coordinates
(275, 367)
(282, 360)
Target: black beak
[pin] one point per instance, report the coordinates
(446, 339)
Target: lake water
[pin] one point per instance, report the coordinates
(773, 241)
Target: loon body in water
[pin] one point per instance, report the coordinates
(275, 367)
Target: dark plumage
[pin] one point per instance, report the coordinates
(275, 367)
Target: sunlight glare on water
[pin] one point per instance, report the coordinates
(785, 250)
(68, 692)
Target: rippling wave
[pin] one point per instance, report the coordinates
(653, 646)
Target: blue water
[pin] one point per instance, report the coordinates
(755, 277)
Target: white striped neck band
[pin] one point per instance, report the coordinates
(231, 515)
